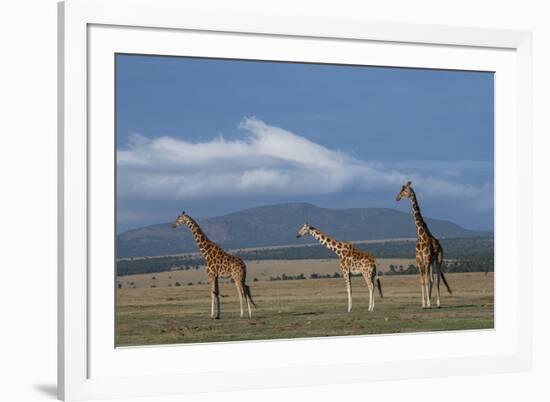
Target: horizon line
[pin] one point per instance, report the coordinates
(302, 203)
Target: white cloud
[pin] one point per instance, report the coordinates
(266, 159)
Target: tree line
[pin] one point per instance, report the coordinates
(472, 254)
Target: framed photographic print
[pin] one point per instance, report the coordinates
(263, 194)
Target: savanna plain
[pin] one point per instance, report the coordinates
(173, 307)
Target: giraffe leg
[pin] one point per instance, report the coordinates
(427, 287)
(438, 282)
(420, 264)
(240, 291)
(430, 287)
(424, 286)
(429, 283)
(372, 279)
(212, 307)
(217, 293)
(371, 296)
(370, 284)
(248, 305)
(213, 291)
(347, 279)
(350, 302)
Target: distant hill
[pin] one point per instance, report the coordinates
(276, 225)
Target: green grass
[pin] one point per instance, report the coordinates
(294, 309)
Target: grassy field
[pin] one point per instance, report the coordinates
(299, 308)
(261, 270)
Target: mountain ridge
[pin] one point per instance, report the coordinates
(277, 224)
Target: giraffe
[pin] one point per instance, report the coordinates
(352, 260)
(218, 264)
(429, 253)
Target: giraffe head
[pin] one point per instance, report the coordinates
(303, 230)
(405, 192)
(180, 220)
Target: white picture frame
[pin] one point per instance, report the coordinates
(89, 365)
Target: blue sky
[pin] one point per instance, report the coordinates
(216, 136)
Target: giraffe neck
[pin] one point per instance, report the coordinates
(326, 240)
(417, 216)
(200, 237)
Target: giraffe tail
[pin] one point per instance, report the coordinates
(439, 264)
(379, 286)
(249, 294)
(445, 281)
